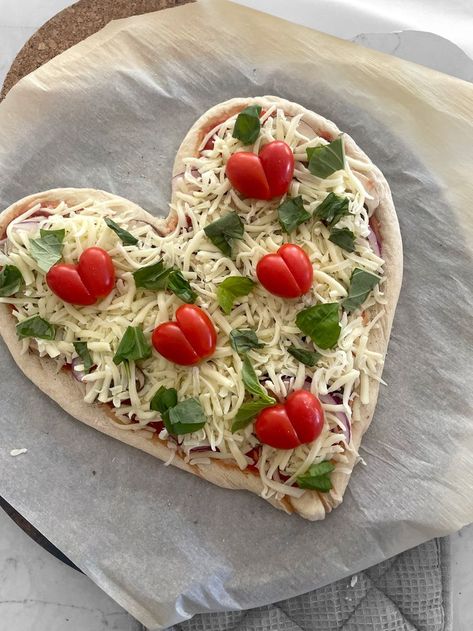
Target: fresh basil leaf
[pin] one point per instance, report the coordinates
(317, 477)
(83, 352)
(361, 283)
(47, 250)
(223, 230)
(321, 324)
(152, 276)
(181, 287)
(11, 280)
(246, 413)
(232, 288)
(243, 340)
(326, 159)
(344, 238)
(163, 400)
(36, 327)
(186, 417)
(125, 237)
(247, 125)
(291, 213)
(308, 358)
(332, 209)
(251, 383)
(133, 346)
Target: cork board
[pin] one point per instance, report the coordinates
(71, 26)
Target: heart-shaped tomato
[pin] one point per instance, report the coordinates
(298, 421)
(82, 284)
(189, 339)
(287, 273)
(262, 176)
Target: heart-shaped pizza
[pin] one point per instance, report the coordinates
(241, 339)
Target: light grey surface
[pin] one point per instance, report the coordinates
(31, 574)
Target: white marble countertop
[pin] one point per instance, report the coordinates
(40, 593)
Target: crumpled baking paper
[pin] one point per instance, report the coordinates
(110, 113)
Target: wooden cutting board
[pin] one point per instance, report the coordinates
(71, 26)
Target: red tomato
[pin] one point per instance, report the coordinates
(64, 280)
(278, 164)
(264, 176)
(82, 284)
(188, 340)
(246, 174)
(298, 421)
(96, 270)
(287, 273)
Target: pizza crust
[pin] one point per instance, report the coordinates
(68, 393)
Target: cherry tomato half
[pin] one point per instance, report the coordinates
(188, 339)
(287, 273)
(64, 280)
(96, 270)
(299, 420)
(262, 176)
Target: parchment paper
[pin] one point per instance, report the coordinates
(110, 113)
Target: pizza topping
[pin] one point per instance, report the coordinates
(247, 125)
(125, 237)
(326, 159)
(317, 477)
(223, 231)
(82, 284)
(180, 418)
(36, 327)
(232, 288)
(157, 277)
(188, 339)
(247, 412)
(11, 280)
(361, 283)
(332, 209)
(262, 176)
(47, 250)
(243, 341)
(298, 421)
(344, 238)
(291, 213)
(287, 273)
(133, 346)
(321, 323)
(308, 358)
(84, 355)
(251, 383)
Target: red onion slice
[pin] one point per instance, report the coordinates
(28, 225)
(373, 241)
(77, 374)
(329, 399)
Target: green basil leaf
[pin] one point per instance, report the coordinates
(246, 413)
(291, 213)
(344, 238)
(326, 159)
(321, 324)
(11, 280)
(83, 352)
(36, 327)
(317, 477)
(247, 125)
(332, 209)
(133, 346)
(125, 237)
(361, 283)
(251, 383)
(243, 340)
(186, 417)
(232, 288)
(309, 358)
(47, 250)
(223, 230)
(181, 287)
(152, 276)
(163, 400)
